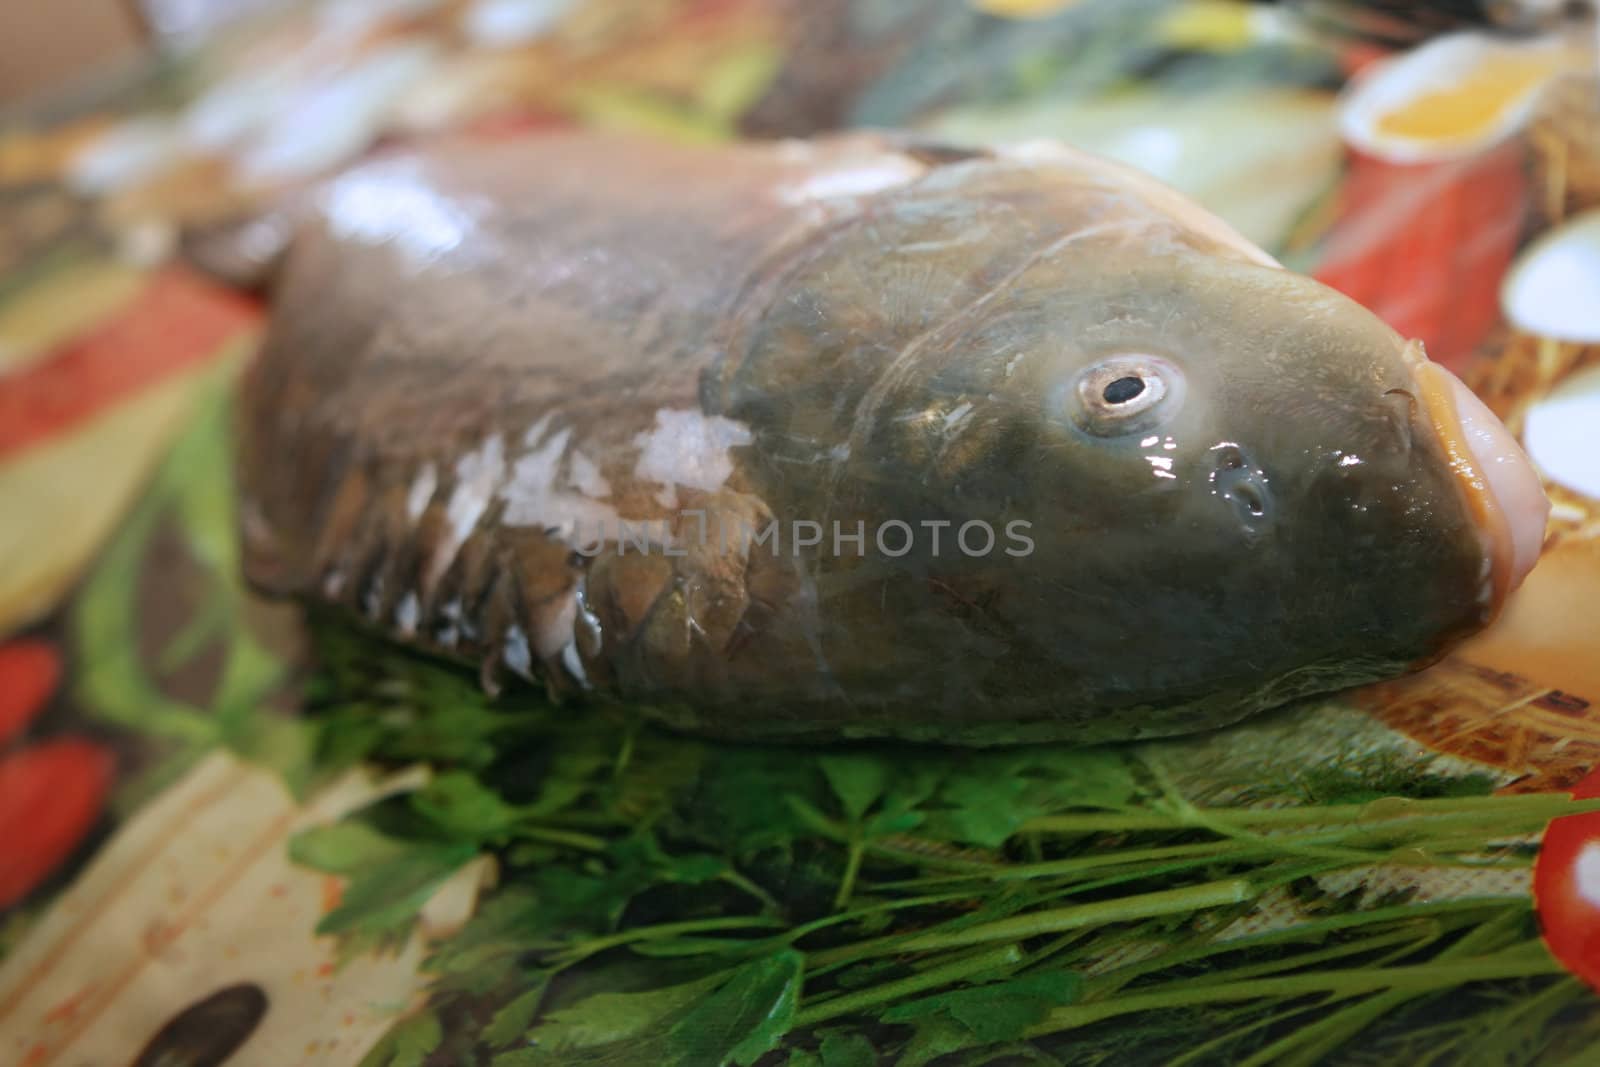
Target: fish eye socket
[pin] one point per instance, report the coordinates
(1126, 393)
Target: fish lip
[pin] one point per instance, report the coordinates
(1436, 391)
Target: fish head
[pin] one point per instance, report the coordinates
(1198, 485)
(1240, 486)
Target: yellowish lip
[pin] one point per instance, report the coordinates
(1437, 397)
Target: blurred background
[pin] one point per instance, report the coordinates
(42, 46)
(45, 45)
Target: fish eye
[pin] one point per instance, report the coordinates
(1126, 393)
(1123, 390)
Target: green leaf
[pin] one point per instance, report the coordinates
(986, 799)
(408, 1043)
(387, 703)
(844, 1049)
(935, 1036)
(980, 812)
(999, 1011)
(745, 800)
(464, 808)
(682, 947)
(763, 993)
(661, 770)
(514, 1020)
(418, 1036)
(593, 895)
(488, 950)
(857, 780)
(384, 899)
(608, 1018)
(730, 1017)
(692, 868)
(347, 847)
(889, 823)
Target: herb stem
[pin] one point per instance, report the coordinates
(1056, 920)
(1097, 913)
(1320, 843)
(904, 847)
(1204, 853)
(667, 930)
(1384, 810)
(1200, 1053)
(1416, 979)
(1412, 939)
(740, 882)
(1211, 851)
(852, 867)
(569, 838)
(854, 914)
(932, 978)
(1461, 911)
(1310, 1044)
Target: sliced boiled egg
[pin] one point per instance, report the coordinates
(1553, 288)
(1561, 432)
(1450, 98)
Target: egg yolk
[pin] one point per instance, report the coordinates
(1468, 107)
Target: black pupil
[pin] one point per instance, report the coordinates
(1123, 390)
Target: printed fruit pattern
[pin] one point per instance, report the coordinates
(1426, 246)
(53, 790)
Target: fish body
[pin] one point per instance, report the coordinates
(856, 437)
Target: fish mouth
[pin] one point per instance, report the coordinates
(1503, 492)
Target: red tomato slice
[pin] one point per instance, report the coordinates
(1566, 887)
(51, 795)
(29, 673)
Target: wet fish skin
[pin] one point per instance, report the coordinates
(478, 354)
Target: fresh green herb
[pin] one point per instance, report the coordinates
(408, 1043)
(665, 900)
